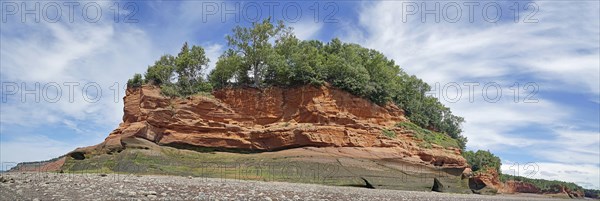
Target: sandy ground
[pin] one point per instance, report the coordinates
(56, 186)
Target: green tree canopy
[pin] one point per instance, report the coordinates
(186, 68)
(162, 71)
(254, 46)
(482, 160)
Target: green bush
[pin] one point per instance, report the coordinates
(227, 71)
(481, 160)
(136, 81)
(162, 71)
(186, 67)
(202, 87)
(169, 90)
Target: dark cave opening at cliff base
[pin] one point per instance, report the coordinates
(77, 155)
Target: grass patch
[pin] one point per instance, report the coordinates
(205, 94)
(429, 137)
(388, 133)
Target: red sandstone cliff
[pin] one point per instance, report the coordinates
(490, 178)
(271, 119)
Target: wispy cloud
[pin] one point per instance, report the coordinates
(558, 48)
(81, 55)
(67, 56)
(213, 51)
(307, 30)
(585, 175)
(36, 148)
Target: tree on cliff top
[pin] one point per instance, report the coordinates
(254, 46)
(189, 65)
(162, 71)
(187, 68)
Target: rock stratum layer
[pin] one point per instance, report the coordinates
(269, 120)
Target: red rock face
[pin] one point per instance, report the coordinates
(44, 166)
(562, 190)
(519, 187)
(490, 178)
(268, 120)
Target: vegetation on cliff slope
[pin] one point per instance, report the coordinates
(542, 184)
(482, 160)
(267, 54)
(430, 137)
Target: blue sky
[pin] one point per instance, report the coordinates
(552, 51)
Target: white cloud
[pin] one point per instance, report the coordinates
(488, 124)
(575, 147)
(85, 53)
(72, 125)
(585, 175)
(306, 30)
(213, 51)
(36, 148)
(558, 48)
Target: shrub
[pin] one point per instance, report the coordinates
(169, 90)
(187, 67)
(162, 71)
(228, 70)
(136, 81)
(202, 87)
(481, 160)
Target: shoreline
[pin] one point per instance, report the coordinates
(84, 186)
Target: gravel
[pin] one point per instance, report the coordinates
(57, 186)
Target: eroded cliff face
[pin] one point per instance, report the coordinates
(518, 187)
(268, 120)
(490, 180)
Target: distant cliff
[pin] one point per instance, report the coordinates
(490, 181)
